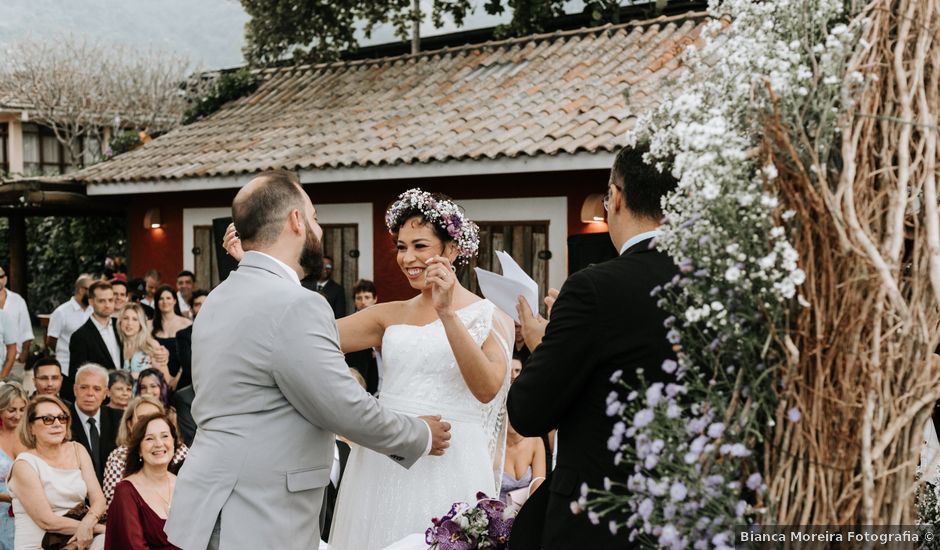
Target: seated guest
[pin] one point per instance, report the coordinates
(365, 361)
(142, 501)
(96, 341)
(138, 408)
(120, 293)
(524, 469)
(198, 298)
(137, 291)
(152, 384)
(120, 389)
(13, 400)
(93, 426)
(50, 478)
(140, 350)
(166, 323)
(47, 376)
(185, 284)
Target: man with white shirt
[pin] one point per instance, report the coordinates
(151, 283)
(120, 294)
(185, 283)
(98, 340)
(15, 307)
(66, 319)
(94, 426)
(7, 344)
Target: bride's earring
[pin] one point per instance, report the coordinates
(453, 268)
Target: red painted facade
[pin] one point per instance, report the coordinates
(162, 248)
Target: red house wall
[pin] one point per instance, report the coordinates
(161, 249)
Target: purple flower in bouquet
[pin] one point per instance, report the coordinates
(500, 523)
(449, 536)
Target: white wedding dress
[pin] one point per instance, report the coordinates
(379, 502)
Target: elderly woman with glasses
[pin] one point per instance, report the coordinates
(52, 477)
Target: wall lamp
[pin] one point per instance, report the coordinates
(592, 211)
(152, 219)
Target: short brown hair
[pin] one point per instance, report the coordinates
(134, 461)
(27, 438)
(98, 285)
(260, 216)
(365, 285)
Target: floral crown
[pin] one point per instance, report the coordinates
(443, 213)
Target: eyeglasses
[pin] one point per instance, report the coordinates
(48, 419)
(607, 197)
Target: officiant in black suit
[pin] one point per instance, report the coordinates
(96, 341)
(604, 320)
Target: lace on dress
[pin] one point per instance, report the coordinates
(495, 417)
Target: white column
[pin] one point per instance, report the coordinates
(15, 146)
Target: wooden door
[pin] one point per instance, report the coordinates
(526, 242)
(205, 262)
(341, 242)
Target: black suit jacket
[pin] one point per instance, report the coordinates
(184, 354)
(332, 291)
(87, 346)
(604, 320)
(183, 403)
(331, 492)
(107, 434)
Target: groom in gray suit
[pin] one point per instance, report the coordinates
(272, 388)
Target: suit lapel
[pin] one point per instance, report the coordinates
(78, 430)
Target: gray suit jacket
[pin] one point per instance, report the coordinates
(272, 388)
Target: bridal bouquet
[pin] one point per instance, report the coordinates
(465, 527)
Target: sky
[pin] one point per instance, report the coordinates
(209, 32)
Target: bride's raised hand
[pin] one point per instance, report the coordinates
(232, 244)
(443, 280)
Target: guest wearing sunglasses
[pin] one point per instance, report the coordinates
(50, 478)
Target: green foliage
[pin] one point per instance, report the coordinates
(58, 249)
(319, 30)
(533, 16)
(227, 87)
(124, 142)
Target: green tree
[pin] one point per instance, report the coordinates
(58, 249)
(319, 30)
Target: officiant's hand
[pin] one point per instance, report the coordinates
(443, 280)
(532, 326)
(440, 434)
(232, 244)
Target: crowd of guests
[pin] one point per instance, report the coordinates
(89, 433)
(94, 434)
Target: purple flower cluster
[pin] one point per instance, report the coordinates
(486, 525)
(443, 213)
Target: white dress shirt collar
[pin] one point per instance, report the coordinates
(284, 267)
(638, 238)
(84, 418)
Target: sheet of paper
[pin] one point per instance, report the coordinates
(504, 290)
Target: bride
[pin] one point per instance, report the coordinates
(445, 352)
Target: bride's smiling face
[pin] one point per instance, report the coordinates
(417, 243)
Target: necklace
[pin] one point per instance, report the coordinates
(154, 490)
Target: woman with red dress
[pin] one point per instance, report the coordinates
(141, 501)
